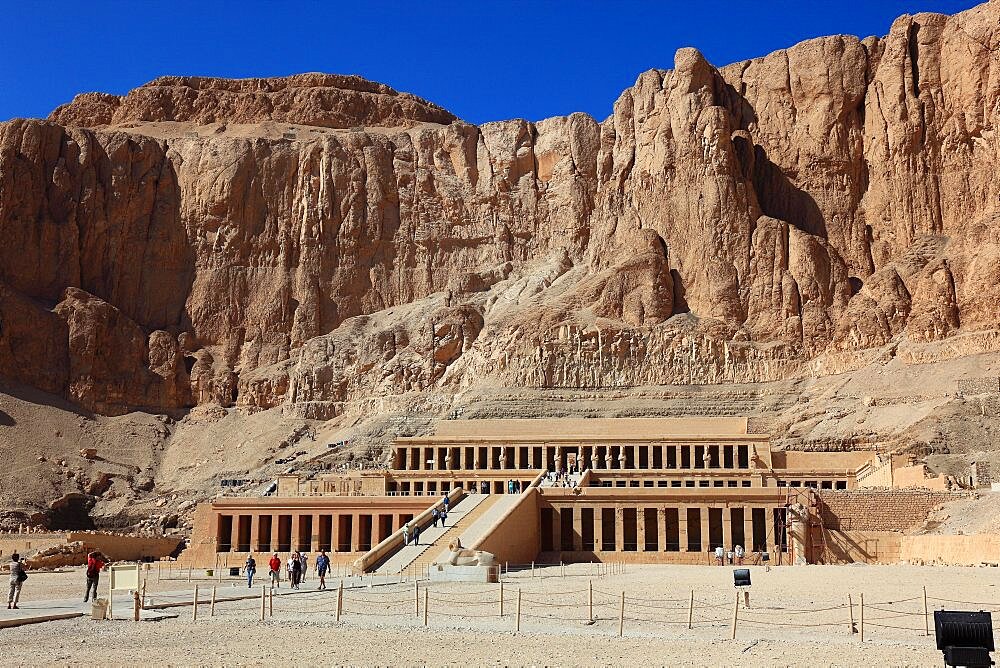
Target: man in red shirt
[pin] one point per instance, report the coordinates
(275, 565)
(95, 563)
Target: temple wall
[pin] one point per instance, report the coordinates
(970, 550)
(879, 509)
(514, 537)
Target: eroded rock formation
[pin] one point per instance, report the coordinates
(315, 239)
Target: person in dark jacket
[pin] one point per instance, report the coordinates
(322, 566)
(18, 575)
(250, 568)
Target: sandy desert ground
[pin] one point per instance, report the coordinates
(798, 616)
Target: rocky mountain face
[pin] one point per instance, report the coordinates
(317, 239)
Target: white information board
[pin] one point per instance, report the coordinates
(124, 576)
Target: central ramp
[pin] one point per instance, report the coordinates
(474, 530)
(434, 539)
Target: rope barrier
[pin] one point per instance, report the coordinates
(788, 624)
(396, 601)
(890, 626)
(896, 613)
(951, 600)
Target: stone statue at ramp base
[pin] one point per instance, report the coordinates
(464, 565)
(460, 556)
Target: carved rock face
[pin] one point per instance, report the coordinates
(321, 239)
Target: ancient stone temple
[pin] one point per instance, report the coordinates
(649, 489)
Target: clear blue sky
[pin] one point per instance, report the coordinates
(483, 60)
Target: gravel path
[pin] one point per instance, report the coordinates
(378, 625)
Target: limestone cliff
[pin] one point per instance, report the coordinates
(317, 239)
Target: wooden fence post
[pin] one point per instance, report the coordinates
(532, 569)
(135, 605)
(194, 605)
(517, 626)
(211, 610)
(270, 602)
(501, 598)
(621, 616)
(416, 599)
(927, 619)
(850, 607)
(862, 617)
(263, 601)
(340, 599)
(590, 601)
(691, 609)
(736, 612)
(426, 599)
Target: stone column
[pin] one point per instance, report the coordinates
(727, 527)
(748, 529)
(598, 529)
(334, 532)
(619, 529)
(661, 534)
(577, 528)
(545, 457)
(663, 456)
(356, 532)
(640, 529)
(557, 530)
(316, 534)
(254, 532)
(295, 533)
(682, 528)
(706, 540)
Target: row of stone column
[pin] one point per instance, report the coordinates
(764, 533)
(553, 457)
(341, 532)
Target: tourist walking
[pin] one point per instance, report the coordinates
(294, 569)
(445, 502)
(322, 566)
(17, 577)
(250, 568)
(406, 534)
(95, 564)
(434, 516)
(304, 561)
(275, 565)
(444, 516)
(416, 534)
